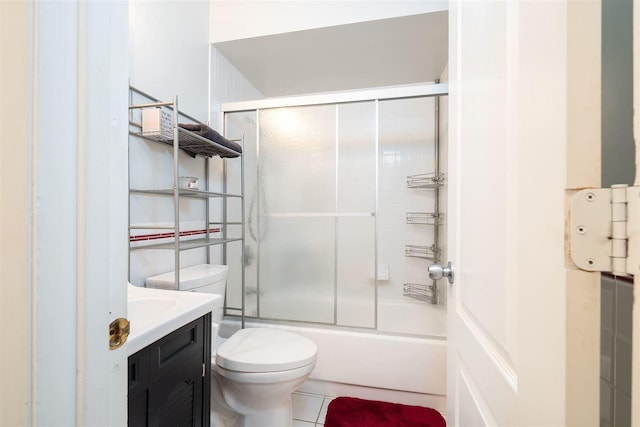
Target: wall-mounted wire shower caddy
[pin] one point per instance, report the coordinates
(430, 181)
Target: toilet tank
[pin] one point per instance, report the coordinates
(205, 278)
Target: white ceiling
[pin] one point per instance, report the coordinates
(388, 52)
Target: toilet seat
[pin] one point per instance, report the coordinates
(265, 350)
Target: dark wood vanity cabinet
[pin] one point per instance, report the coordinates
(170, 380)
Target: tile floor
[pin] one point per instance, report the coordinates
(309, 410)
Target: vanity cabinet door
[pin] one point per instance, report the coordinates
(176, 398)
(170, 380)
(138, 399)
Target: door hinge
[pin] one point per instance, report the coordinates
(604, 228)
(204, 370)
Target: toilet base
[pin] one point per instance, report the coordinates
(279, 416)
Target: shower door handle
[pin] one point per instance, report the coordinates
(437, 272)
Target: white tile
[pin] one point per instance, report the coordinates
(298, 423)
(624, 309)
(622, 367)
(323, 411)
(306, 407)
(606, 404)
(622, 409)
(606, 354)
(607, 302)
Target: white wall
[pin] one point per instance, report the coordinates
(14, 214)
(169, 52)
(232, 20)
(227, 85)
(169, 55)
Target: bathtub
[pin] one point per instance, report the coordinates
(373, 364)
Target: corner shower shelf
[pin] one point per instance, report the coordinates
(431, 180)
(418, 291)
(423, 218)
(425, 180)
(427, 252)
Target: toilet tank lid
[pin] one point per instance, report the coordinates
(265, 350)
(192, 277)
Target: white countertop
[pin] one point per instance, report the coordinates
(155, 313)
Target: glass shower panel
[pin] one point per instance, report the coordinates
(297, 173)
(297, 258)
(297, 159)
(357, 157)
(355, 290)
(355, 261)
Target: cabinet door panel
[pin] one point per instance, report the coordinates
(138, 388)
(176, 398)
(170, 380)
(171, 351)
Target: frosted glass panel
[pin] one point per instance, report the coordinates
(357, 157)
(356, 287)
(298, 158)
(297, 258)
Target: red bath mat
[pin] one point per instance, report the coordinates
(353, 412)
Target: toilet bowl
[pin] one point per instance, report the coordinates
(255, 370)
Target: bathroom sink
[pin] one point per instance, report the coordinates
(155, 313)
(148, 311)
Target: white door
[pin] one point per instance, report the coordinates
(63, 212)
(524, 93)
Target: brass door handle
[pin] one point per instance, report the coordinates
(118, 332)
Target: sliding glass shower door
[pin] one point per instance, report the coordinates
(326, 202)
(310, 207)
(297, 164)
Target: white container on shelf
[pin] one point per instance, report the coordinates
(188, 182)
(157, 121)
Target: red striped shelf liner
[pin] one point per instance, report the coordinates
(157, 236)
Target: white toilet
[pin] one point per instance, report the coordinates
(256, 369)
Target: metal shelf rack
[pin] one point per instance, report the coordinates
(429, 218)
(425, 180)
(433, 181)
(426, 252)
(171, 134)
(418, 291)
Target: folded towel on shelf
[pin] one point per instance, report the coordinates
(194, 147)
